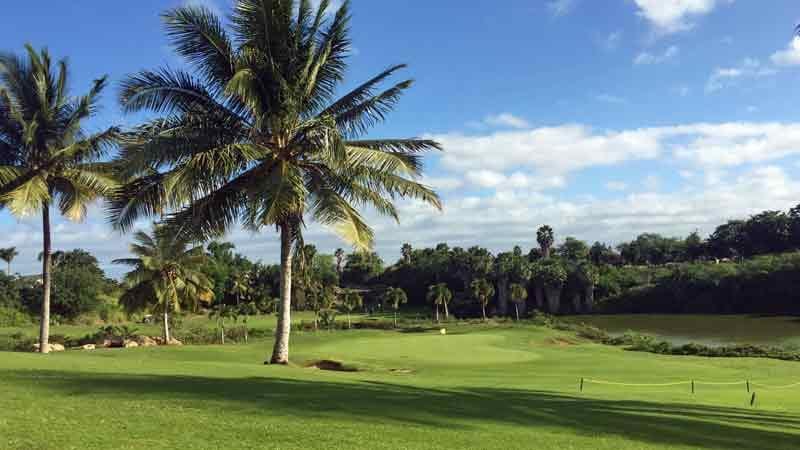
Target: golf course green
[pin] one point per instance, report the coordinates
(497, 386)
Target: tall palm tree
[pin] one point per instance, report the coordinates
(46, 157)
(339, 255)
(545, 237)
(166, 276)
(482, 291)
(8, 255)
(393, 298)
(406, 251)
(255, 136)
(439, 294)
(240, 287)
(518, 296)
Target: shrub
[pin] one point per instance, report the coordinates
(12, 317)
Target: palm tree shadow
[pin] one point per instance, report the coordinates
(647, 422)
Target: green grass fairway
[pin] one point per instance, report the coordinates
(704, 329)
(478, 387)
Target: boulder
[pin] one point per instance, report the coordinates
(53, 347)
(87, 347)
(131, 344)
(173, 341)
(146, 341)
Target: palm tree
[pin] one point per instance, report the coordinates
(483, 291)
(166, 276)
(518, 295)
(255, 136)
(393, 298)
(339, 255)
(406, 251)
(240, 287)
(245, 310)
(351, 300)
(439, 294)
(545, 238)
(46, 158)
(220, 312)
(8, 255)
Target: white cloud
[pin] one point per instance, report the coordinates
(609, 98)
(790, 56)
(652, 182)
(506, 120)
(749, 68)
(443, 183)
(612, 41)
(671, 16)
(682, 90)
(646, 58)
(558, 8)
(616, 186)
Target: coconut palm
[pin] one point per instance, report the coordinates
(439, 294)
(167, 276)
(351, 300)
(46, 158)
(339, 255)
(545, 237)
(253, 135)
(240, 287)
(245, 310)
(518, 296)
(482, 291)
(8, 255)
(406, 251)
(221, 312)
(393, 298)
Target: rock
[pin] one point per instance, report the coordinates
(131, 344)
(173, 341)
(146, 341)
(87, 347)
(443, 331)
(53, 347)
(106, 343)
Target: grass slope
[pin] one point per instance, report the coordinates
(477, 387)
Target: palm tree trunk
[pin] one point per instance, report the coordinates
(395, 319)
(483, 311)
(44, 326)
(222, 333)
(280, 352)
(516, 309)
(245, 332)
(167, 337)
(446, 313)
(349, 325)
(437, 313)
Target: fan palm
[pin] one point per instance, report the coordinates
(256, 137)
(394, 297)
(483, 291)
(46, 157)
(545, 238)
(518, 295)
(166, 276)
(8, 255)
(439, 294)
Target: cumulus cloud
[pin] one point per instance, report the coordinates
(558, 8)
(789, 56)
(647, 58)
(506, 120)
(672, 16)
(749, 68)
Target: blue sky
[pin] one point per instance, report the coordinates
(602, 118)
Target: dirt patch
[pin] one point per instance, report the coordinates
(560, 342)
(402, 371)
(327, 364)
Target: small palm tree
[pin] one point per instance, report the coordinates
(339, 254)
(439, 294)
(482, 291)
(246, 310)
(393, 298)
(351, 300)
(46, 158)
(240, 287)
(166, 276)
(221, 312)
(406, 251)
(8, 255)
(254, 135)
(518, 295)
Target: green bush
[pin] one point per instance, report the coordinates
(12, 317)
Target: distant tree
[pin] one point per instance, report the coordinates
(729, 240)
(406, 251)
(794, 216)
(222, 312)
(551, 275)
(351, 301)
(545, 237)
(574, 250)
(601, 254)
(166, 276)
(482, 291)
(439, 294)
(768, 232)
(240, 287)
(393, 298)
(695, 247)
(339, 255)
(245, 311)
(8, 255)
(361, 268)
(518, 295)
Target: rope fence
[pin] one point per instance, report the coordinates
(748, 385)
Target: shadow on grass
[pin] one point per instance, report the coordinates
(647, 422)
